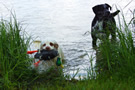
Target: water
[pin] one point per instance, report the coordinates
(65, 21)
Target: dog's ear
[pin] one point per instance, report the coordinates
(56, 45)
(108, 6)
(95, 9)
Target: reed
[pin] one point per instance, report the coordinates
(118, 57)
(13, 58)
(15, 71)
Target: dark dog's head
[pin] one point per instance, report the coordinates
(102, 10)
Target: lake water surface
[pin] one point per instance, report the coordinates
(65, 21)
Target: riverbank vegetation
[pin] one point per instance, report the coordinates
(115, 64)
(14, 64)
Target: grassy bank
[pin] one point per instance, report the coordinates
(14, 64)
(15, 72)
(118, 57)
(89, 85)
(115, 63)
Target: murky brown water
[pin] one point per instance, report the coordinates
(65, 21)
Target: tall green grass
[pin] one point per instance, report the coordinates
(118, 58)
(13, 58)
(15, 71)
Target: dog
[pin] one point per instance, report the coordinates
(49, 45)
(103, 24)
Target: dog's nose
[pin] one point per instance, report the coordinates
(48, 48)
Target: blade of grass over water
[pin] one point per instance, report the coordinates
(118, 58)
(13, 58)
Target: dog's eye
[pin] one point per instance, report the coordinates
(44, 44)
(51, 44)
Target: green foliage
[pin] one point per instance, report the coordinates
(13, 58)
(89, 85)
(117, 58)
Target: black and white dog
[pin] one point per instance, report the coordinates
(103, 23)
